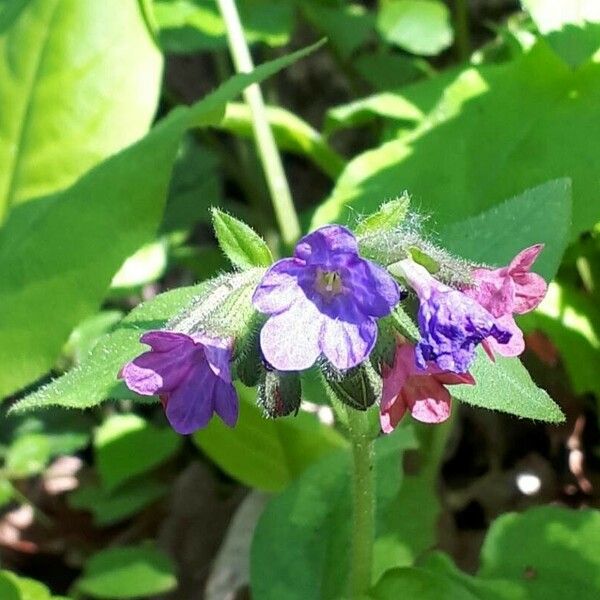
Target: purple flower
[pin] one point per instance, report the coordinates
(189, 373)
(451, 324)
(324, 300)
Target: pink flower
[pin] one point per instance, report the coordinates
(511, 290)
(420, 391)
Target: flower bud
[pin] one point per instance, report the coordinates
(359, 387)
(279, 394)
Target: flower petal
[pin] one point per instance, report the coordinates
(371, 286)
(290, 340)
(153, 373)
(190, 406)
(523, 261)
(347, 344)
(427, 399)
(280, 286)
(321, 246)
(516, 344)
(391, 415)
(530, 289)
(226, 403)
(166, 341)
(493, 290)
(218, 355)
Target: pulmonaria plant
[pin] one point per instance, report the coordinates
(325, 300)
(190, 374)
(328, 305)
(508, 291)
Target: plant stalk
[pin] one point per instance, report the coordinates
(461, 25)
(363, 493)
(281, 197)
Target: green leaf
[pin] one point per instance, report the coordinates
(385, 70)
(505, 385)
(28, 455)
(71, 72)
(111, 507)
(6, 493)
(389, 216)
(300, 546)
(29, 589)
(58, 254)
(267, 454)
(86, 335)
(359, 112)
(459, 162)
(129, 572)
(539, 215)
(550, 551)
(571, 320)
(291, 134)
(240, 243)
(144, 266)
(194, 25)
(550, 15)
(8, 589)
(128, 445)
(418, 26)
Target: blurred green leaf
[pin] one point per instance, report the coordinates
(390, 215)
(144, 266)
(128, 445)
(417, 26)
(6, 494)
(58, 254)
(291, 134)
(111, 507)
(194, 25)
(86, 335)
(551, 15)
(29, 589)
(505, 385)
(300, 546)
(267, 454)
(490, 133)
(572, 321)
(8, 589)
(71, 72)
(128, 572)
(385, 70)
(549, 550)
(497, 235)
(240, 243)
(347, 25)
(28, 455)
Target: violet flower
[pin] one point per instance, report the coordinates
(324, 300)
(507, 291)
(451, 324)
(190, 374)
(406, 387)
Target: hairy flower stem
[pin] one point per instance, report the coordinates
(281, 196)
(363, 493)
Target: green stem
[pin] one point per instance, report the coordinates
(363, 493)
(461, 25)
(281, 196)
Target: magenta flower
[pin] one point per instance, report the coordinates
(189, 373)
(406, 387)
(507, 291)
(324, 300)
(450, 323)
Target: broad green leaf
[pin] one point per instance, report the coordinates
(128, 572)
(505, 385)
(194, 25)
(551, 551)
(418, 26)
(267, 454)
(29, 589)
(58, 254)
(390, 215)
(385, 70)
(291, 134)
(240, 243)
(346, 25)
(28, 455)
(571, 320)
(6, 493)
(71, 72)
(144, 266)
(111, 507)
(358, 112)
(127, 445)
(8, 589)
(495, 236)
(551, 15)
(85, 336)
(459, 162)
(300, 546)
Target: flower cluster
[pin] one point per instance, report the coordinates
(323, 306)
